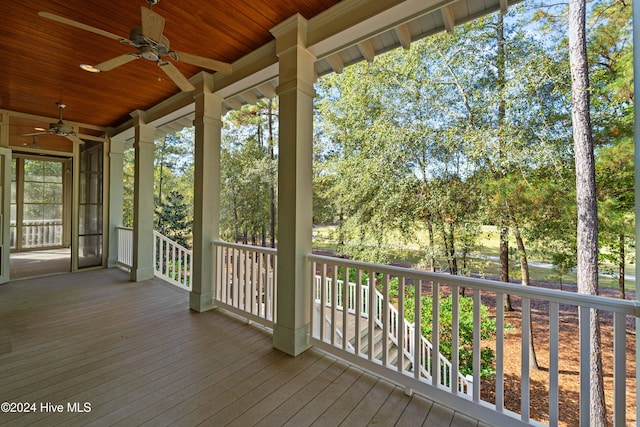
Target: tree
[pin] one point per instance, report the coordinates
(610, 56)
(615, 179)
(587, 232)
(175, 220)
(173, 158)
(250, 144)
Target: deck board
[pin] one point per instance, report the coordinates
(139, 356)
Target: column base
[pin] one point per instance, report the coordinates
(290, 341)
(140, 274)
(201, 302)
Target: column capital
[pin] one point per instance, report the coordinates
(116, 146)
(290, 33)
(139, 117)
(208, 106)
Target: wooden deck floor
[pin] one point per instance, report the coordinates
(136, 355)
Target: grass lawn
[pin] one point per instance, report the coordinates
(487, 245)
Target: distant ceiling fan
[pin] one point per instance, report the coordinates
(59, 128)
(151, 45)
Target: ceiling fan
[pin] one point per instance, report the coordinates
(59, 128)
(151, 44)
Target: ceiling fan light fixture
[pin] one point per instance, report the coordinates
(89, 68)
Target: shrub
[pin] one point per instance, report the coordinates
(487, 331)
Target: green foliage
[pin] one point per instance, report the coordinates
(174, 219)
(487, 330)
(249, 173)
(487, 324)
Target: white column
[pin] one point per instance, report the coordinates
(116, 195)
(143, 205)
(295, 185)
(206, 204)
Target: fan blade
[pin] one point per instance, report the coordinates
(83, 27)
(152, 24)
(75, 139)
(209, 64)
(116, 62)
(36, 133)
(178, 78)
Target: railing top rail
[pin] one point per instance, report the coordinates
(166, 239)
(261, 249)
(630, 307)
(124, 228)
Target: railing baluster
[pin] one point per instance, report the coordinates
(435, 334)
(499, 352)
(385, 319)
(272, 288)
(554, 358)
(524, 346)
(455, 336)
(476, 345)
(401, 336)
(247, 281)
(619, 369)
(417, 329)
(371, 290)
(585, 371)
(227, 274)
(359, 311)
(323, 300)
(334, 303)
(345, 308)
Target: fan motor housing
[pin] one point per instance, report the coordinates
(149, 49)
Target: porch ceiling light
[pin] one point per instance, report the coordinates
(89, 68)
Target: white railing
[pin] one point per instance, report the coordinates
(246, 280)
(44, 233)
(172, 262)
(558, 305)
(393, 331)
(125, 246)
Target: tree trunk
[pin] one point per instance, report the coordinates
(432, 259)
(499, 171)
(621, 268)
(236, 231)
(504, 263)
(451, 254)
(587, 232)
(272, 183)
(524, 268)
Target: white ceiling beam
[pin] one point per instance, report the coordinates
(351, 21)
(366, 49)
(404, 35)
(249, 97)
(449, 18)
(336, 62)
(267, 90)
(233, 103)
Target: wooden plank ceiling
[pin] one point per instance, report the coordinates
(41, 57)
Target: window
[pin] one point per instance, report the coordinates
(37, 203)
